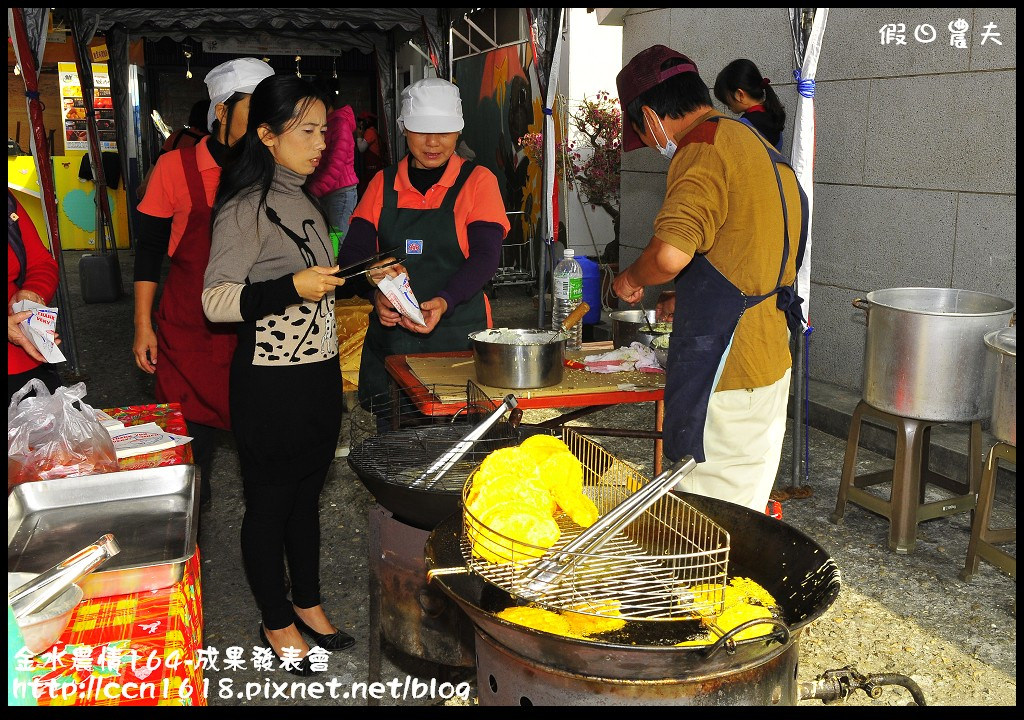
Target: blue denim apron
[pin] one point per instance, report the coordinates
(708, 309)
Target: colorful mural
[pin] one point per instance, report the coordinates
(507, 106)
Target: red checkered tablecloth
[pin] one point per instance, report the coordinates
(138, 649)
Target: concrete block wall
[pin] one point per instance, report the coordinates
(915, 171)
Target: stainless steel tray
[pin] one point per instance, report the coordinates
(151, 512)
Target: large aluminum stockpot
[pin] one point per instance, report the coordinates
(629, 326)
(1002, 345)
(925, 358)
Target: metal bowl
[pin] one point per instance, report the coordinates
(660, 347)
(42, 629)
(629, 326)
(518, 359)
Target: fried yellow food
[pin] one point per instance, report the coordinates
(540, 446)
(757, 594)
(562, 471)
(741, 613)
(585, 625)
(514, 498)
(705, 596)
(580, 509)
(487, 491)
(511, 521)
(538, 619)
(699, 641)
(509, 461)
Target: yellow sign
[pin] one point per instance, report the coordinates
(100, 53)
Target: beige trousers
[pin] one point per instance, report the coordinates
(743, 444)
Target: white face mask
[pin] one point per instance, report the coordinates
(670, 145)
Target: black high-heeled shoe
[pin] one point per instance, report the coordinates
(335, 641)
(300, 668)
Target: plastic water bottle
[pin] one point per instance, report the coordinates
(567, 294)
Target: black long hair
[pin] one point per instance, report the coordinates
(277, 103)
(197, 115)
(743, 74)
(229, 108)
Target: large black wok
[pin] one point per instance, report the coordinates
(388, 464)
(792, 567)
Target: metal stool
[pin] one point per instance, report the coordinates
(910, 475)
(983, 538)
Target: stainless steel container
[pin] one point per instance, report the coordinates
(924, 357)
(1002, 345)
(628, 326)
(152, 512)
(518, 359)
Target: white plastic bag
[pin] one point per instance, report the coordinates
(49, 437)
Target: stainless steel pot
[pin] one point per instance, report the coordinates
(1002, 345)
(924, 357)
(628, 326)
(518, 359)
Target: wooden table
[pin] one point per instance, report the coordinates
(587, 392)
(135, 649)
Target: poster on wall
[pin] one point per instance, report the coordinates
(76, 136)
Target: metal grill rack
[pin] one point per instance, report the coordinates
(400, 456)
(516, 266)
(671, 563)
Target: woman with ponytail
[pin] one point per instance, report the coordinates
(272, 271)
(742, 88)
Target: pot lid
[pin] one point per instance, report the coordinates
(1004, 341)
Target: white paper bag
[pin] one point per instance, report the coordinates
(40, 329)
(399, 292)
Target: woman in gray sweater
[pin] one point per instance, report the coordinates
(272, 271)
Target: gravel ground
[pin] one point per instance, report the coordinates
(906, 614)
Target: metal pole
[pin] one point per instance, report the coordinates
(47, 195)
(798, 409)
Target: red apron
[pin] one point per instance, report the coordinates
(193, 354)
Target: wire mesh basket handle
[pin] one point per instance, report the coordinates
(547, 573)
(429, 477)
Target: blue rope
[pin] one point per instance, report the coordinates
(548, 111)
(807, 405)
(804, 87)
(32, 94)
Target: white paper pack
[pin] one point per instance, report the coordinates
(40, 329)
(399, 292)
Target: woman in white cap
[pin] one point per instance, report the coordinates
(446, 216)
(189, 355)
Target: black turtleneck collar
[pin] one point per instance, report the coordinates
(425, 178)
(218, 150)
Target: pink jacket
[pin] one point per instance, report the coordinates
(336, 169)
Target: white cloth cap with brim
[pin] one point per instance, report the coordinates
(431, 106)
(239, 75)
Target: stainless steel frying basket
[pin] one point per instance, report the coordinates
(670, 563)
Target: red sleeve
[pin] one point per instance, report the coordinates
(166, 179)
(370, 205)
(41, 271)
(487, 205)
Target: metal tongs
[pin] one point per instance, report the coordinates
(341, 271)
(42, 590)
(429, 477)
(548, 572)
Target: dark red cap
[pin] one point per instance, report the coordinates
(641, 74)
(367, 115)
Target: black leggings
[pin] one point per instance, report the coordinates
(204, 442)
(283, 520)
